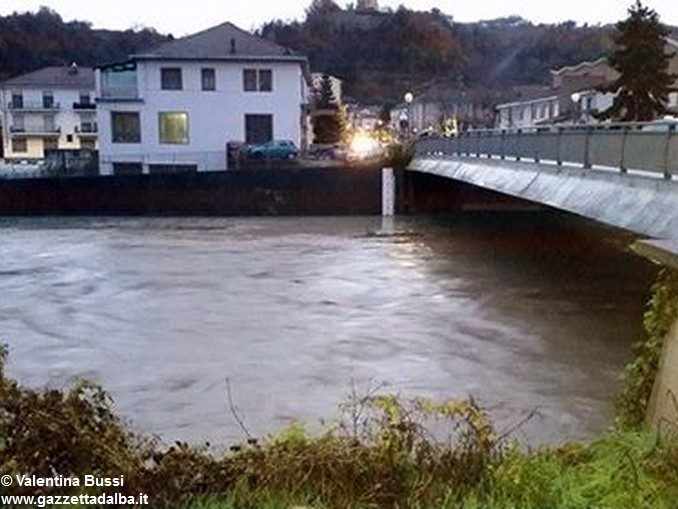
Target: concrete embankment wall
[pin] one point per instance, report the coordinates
(641, 204)
(309, 191)
(663, 407)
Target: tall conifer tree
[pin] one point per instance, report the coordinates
(642, 63)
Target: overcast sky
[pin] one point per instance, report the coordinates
(181, 18)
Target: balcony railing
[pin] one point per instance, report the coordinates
(650, 147)
(33, 106)
(84, 106)
(35, 130)
(119, 93)
(85, 129)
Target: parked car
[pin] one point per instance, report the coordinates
(277, 149)
(662, 125)
(327, 152)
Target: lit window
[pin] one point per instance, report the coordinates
(125, 127)
(173, 128)
(19, 145)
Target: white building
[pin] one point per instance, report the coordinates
(52, 108)
(337, 85)
(177, 108)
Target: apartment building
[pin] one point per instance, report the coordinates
(51, 108)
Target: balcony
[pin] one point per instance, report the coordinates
(88, 106)
(25, 132)
(33, 106)
(111, 93)
(86, 130)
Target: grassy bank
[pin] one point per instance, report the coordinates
(381, 454)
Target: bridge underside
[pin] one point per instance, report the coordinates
(646, 205)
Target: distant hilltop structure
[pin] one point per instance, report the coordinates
(368, 5)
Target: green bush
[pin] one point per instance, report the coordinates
(640, 374)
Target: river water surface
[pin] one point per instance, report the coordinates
(522, 311)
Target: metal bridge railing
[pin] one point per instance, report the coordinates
(650, 147)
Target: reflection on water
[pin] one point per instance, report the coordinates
(521, 311)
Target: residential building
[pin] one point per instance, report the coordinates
(178, 107)
(439, 102)
(574, 95)
(535, 105)
(51, 108)
(364, 117)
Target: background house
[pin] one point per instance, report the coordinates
(441, 101)
(541, 105)
(51, 108)
(574, 95)
(177, 108)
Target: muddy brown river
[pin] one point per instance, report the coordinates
(524, 311)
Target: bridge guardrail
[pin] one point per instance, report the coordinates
(650, 146)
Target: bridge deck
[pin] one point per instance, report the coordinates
(646, 204)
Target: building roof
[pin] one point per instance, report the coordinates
(60, 77)
(222, 42)
(580, 66)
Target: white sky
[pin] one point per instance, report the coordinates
(181, 18)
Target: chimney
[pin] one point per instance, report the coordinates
(232, 46)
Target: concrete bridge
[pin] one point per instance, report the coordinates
(625, 175)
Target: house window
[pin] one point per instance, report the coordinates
(209, 79)
(125, 127)
(260, 80)
(19, 145)
(47, 100)
(265, 80)
(85, 98)
(173, 128)
(17, 101)
(170, 78)
(258, 129)
(249, 78)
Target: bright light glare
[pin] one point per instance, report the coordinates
(363, 146)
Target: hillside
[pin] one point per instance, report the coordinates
(379, 55)
(29, 41)
(382, 54)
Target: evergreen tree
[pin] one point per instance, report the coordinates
(644, 82)
(325, 93)
(327, 125)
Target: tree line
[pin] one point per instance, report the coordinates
(29, 41)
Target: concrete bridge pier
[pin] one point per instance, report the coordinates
(662, 410)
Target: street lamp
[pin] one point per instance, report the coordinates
(409, 97)
(576, 99)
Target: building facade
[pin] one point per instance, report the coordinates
(179, 107)
(575, 95)
(52, 108)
